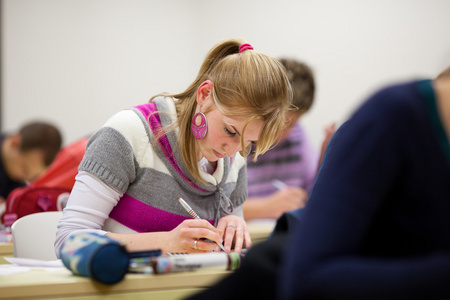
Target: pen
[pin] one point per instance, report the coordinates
(279, 184)
(194, 215)
(145, 254)
(194, 261)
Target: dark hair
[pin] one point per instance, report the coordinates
(43, 136)
(302, 82)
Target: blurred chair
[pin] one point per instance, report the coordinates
(34, 235)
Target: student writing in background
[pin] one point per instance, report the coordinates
(293, 162)
(26, 154)
(182, 145)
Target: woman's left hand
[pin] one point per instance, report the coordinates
(234, 227)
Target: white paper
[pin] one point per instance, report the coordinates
(6, 269)
(35, 263)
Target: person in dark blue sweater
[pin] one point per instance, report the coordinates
(377, 224)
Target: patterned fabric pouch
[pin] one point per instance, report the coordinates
(95, 256)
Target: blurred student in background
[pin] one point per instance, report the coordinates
(281, 179)
(26, 154)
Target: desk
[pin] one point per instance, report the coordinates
(259, 230)
(6, 249)
(62, 284)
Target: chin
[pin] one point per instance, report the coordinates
(210, 156)
(213, 158)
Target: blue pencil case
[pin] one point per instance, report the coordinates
(95, 256)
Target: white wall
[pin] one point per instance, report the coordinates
(77, 62)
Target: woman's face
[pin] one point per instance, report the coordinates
(223, 137)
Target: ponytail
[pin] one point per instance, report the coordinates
(242, 78)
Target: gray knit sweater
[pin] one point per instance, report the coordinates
(152, 177)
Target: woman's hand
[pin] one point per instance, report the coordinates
(274, 205)
(234, 227)
(287, 199)
(190, 237)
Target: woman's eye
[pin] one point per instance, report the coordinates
(229, 132)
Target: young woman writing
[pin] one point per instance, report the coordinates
(190, 145)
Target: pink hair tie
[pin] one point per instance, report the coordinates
(244, 47)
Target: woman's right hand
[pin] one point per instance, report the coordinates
(190, 237)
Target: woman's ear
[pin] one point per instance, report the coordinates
(203, 91)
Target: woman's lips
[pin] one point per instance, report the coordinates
(218, 154)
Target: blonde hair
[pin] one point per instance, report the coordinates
(247, 84)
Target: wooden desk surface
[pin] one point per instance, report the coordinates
(260, 229)
(62, 284)
(6, 249)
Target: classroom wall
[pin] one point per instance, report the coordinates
(77, 62)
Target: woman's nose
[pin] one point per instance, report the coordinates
(232, 148)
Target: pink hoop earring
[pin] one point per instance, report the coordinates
(199, 125)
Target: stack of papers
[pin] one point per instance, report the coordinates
(21, 265)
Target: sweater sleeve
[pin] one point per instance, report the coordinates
(90, 203)
(113, 152)
(323, 260)
(107, 169)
